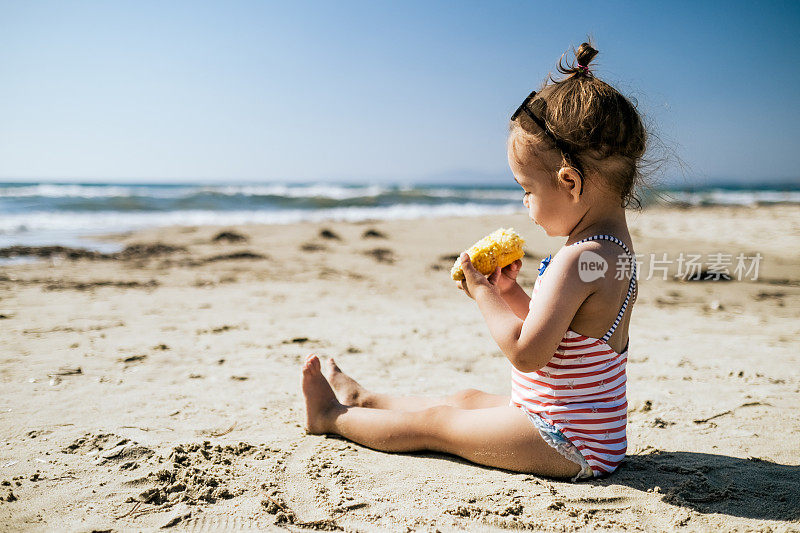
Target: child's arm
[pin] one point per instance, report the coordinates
(530, 343)
(517, 299)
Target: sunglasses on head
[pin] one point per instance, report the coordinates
(560, 144)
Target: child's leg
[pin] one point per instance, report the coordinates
(500, 437)
(349, 392)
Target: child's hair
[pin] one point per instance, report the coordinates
(592, 128)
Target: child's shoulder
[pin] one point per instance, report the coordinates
(590, 261)
(609, 250)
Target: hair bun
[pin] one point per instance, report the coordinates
(583, 56)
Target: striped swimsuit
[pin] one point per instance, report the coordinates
(580, 392)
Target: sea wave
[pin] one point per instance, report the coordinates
(332, 192)
(59, 211)
(111, 221)
(51, 190)
(168, 197)
(734, 197)
(329, 191)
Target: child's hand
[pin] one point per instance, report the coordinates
(501, 279)
(504, 279)
(473, 278)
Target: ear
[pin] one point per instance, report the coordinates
(572, 181)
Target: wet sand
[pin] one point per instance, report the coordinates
(160, 386)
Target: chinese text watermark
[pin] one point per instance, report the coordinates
(716, 266)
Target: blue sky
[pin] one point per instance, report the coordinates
(376, 91)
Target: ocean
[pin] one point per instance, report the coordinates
(70, 213)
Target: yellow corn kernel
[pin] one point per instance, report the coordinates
(498, 249)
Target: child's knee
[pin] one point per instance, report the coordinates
(466, 397)
(434, 429)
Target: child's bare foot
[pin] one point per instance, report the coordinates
(321, 402)
(347, 390)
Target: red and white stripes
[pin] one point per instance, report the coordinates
(581, 392)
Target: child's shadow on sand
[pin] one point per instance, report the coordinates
(706, 483)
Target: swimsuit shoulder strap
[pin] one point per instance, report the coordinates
(631, 286)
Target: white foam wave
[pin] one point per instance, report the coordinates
(21, 224)
(334, 192)
(477, 194)
(50, 190)
(727, 197)
(319, 190)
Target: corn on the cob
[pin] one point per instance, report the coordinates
(498, 249)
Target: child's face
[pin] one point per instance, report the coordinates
(550, 204)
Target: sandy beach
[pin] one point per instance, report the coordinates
(160, 386)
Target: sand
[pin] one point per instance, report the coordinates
(160, 387)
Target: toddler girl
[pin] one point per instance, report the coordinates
(575, 148)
